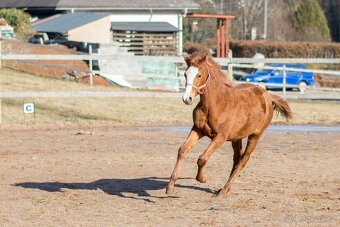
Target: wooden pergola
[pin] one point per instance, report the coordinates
(222, 31)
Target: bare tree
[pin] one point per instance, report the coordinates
(250, 14)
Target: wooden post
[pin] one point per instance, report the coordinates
(230, 65)
(218, 39)
(222, 31)
(90, 65)
(223, 55)
(0, 111)
(284, 80)
(227, 35)
(0, 46)
(0, 78)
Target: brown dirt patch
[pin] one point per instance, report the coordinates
(47, 68)
(111, 176)
(97, 80)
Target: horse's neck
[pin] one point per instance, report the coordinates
(217, 89)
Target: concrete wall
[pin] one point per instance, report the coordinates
(142, 73)
(97, 31)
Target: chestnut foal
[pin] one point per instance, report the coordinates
(224, 113)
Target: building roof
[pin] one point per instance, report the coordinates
(100, 4)
(28, 3)
(63, 23)
(123, 4)
(143, 26)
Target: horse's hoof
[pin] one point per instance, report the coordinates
(201, 179)
(169, 190)
(222, 193)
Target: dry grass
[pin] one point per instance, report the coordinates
(120, 111)
(17, 81)
(318, 112)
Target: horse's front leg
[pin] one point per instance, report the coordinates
(216, 143)
(192, 139)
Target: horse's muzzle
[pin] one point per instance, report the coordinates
(187, 100)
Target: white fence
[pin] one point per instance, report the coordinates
(234, 62)
(229, 63)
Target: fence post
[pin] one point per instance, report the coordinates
(90, 65)
(0, 46)
(284, 80)
(0, 78)
(230, 65)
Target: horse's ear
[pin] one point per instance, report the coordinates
(204, 59)
(187, 58)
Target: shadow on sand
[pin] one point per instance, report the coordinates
(116, 187)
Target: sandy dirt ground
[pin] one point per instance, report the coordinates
(116, 176)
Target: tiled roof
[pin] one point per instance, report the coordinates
(143, 26)
(28, 3)
(111, 4)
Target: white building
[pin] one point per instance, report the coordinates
(170, 11)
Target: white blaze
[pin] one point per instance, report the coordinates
(191, 74)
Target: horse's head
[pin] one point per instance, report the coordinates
(196, 76)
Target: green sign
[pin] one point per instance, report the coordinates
(159, 69)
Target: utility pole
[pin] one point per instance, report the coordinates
(265, 25)
(243, 5)
(221, 6)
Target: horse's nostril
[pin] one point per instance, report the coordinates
(190, 99)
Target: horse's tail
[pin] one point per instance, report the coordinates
(281, 107)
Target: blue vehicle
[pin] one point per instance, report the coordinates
(303, 79)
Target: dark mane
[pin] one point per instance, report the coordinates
(196, 59)
(191, 48)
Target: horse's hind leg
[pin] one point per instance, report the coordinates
(251, 144)
(238, 151)
(185, 148)
(202, 160)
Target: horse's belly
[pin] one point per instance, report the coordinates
(240, 131)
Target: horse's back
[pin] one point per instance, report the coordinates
(249, 87)
(250, 94)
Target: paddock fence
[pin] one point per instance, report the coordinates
(230, 65)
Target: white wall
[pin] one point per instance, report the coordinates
(97, 31)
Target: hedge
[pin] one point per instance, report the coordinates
(271, 49)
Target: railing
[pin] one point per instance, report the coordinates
(230, 63)
(284, 70)
(254, 64)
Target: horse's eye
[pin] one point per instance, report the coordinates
(199, 75)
